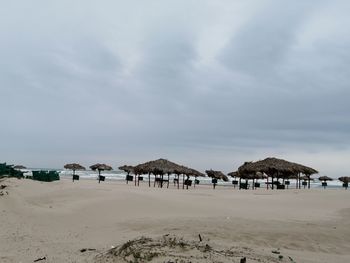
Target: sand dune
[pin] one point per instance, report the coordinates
(57, 220)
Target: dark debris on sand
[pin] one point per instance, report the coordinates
(172, 249)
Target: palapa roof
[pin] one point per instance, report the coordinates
(256, 175)
(160, 166)
(306, 177)
(344, 179)
(272, 166)
(325, 178)
(195, 173)
(233, 174)
(101, 167)
(74, 166)
(127, 168)
(216, 175)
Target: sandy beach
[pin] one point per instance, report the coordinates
(80, 222)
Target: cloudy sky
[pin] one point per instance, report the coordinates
(208, 84)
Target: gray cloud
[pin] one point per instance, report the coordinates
(209, 86)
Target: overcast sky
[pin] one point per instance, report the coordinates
(207, 84)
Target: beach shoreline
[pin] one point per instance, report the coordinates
(56, 220)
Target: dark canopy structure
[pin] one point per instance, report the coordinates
(216, 175)
(277, 168)
(247, 176)
(161, 167)
(128, 169)
(74, 167)
(345, 180)
(324, 180)
(100, 167)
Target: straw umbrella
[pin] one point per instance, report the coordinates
(275, 168)
(216, 175)
(100, 167)
(324, 180)
(234, 175)
(345, 180)
(160, 168)
(195, 173)
(74, 167)
(128, 169)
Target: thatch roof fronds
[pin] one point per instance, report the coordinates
(233, 174)
(160, 166)
(101, 167)
(127, 168)
(257, 175)
(74, 166)
(272, 166)
(217, 175)
(193, 172)
(344, 179)
(325, 178)
(305, 178)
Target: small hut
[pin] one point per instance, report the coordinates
(100, 167)
(74, 167)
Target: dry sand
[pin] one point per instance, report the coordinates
(56, 220)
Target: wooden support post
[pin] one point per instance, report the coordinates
(272, 186)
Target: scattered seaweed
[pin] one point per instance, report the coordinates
(173, 249)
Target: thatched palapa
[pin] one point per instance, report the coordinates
(100, 167)
(74, 167)
(163, 167)
(276, 168)
(325, 178)
(272, 165)
(128, 169)
(344, 179)
(216, 175)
